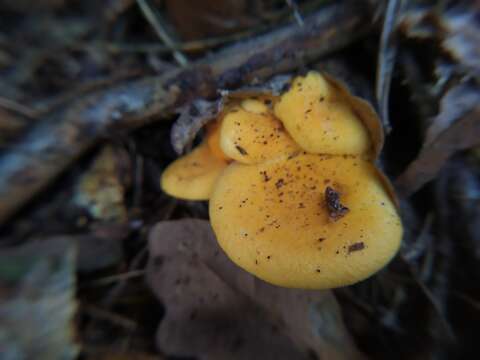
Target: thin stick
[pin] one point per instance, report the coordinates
(187, 46)
(16, 107)
(108, 280)
(468, 299)
(386, 61)
(114, 318)
(293, 5)
(154, 19)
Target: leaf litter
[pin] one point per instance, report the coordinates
(215, 310)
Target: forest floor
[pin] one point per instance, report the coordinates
(96, 262)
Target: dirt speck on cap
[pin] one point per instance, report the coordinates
(335, 209)
(356, 247)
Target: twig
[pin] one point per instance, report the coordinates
(293, 5)
(108, 280)
(207, 43)
(154, 19)
(386, 61)
(83, 89)
(16, 107)
(115, 319)
(187, 46)
(468, 299)
(60, 138)
(113, 294)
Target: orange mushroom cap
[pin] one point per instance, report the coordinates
(250, 134)
(320, 120)
(313, 221)
(192, 177)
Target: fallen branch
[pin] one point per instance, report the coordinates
(52, 145)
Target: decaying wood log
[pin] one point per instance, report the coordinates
(57, 140)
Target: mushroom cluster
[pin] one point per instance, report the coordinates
(294, 195)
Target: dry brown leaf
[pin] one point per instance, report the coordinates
(456, 127)
(215, 310)
(456, 103)
(452, 29)
(454, 25)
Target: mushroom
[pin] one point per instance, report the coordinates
(295, 197)
(311, 221)
(250, 134)
(192, 177)
(319, 118)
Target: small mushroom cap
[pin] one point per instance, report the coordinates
(313, 221)
(365, 112)
(193, 176)
(255, 106)
(250, 134)
(320, 120)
